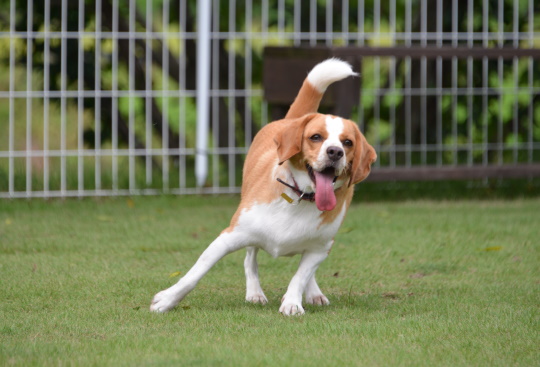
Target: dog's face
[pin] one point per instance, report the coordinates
(327, 147)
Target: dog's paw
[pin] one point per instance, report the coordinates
(319, 299)
(163, 302)
(257, 298)
(291, 308)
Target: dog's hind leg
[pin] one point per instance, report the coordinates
(313, 294)
(226, 243)
(254, 292)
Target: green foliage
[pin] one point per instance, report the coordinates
(504, 119)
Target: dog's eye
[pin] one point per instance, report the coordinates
(316, 137)
(347, 143)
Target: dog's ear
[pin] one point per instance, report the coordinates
(364, 156)
(289, 139)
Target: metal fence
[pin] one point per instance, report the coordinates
(112, 97)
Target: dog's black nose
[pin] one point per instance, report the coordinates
(334, 153)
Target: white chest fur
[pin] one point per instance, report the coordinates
(282, 229)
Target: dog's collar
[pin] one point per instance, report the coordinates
(302, 195)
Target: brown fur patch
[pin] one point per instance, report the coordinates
(307, 101)
(259, 184)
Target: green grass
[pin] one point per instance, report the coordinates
(426, 283)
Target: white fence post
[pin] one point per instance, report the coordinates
(203, 85)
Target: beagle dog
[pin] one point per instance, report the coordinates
(298, 182)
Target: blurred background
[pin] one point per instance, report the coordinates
(134, 97)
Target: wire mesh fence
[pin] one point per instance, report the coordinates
(100, 97)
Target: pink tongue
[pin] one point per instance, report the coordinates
(324, 191)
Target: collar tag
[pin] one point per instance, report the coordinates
(292, 201)
(287, 198)
(302, 194)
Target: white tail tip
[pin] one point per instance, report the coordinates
(328, 72)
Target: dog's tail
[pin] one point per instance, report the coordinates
(318, 79)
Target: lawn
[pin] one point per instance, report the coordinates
(422, 283)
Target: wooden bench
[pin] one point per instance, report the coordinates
(285, 68)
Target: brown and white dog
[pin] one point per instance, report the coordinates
(298, 182)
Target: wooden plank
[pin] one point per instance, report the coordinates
(432, 52)
(284, 71)
(285, 68)
(416, 51)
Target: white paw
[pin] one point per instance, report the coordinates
(163, 302)
(257, 298)
(319, 299)
(291, 308)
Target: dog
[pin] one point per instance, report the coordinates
(298, 182)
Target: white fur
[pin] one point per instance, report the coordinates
(334, 127)
(328, 72)
(301, 178)
(254, 292)
(282, 229)
(279, 228)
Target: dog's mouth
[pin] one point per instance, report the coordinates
(325, 198)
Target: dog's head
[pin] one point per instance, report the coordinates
(326, 147)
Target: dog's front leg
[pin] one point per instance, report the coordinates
(313, 293)
(292, 300)
(226, 243)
